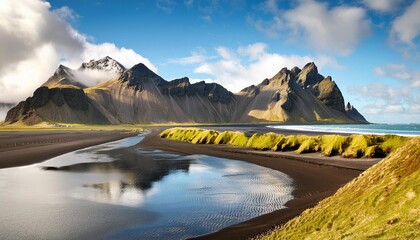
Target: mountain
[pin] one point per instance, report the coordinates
(63, 77)
(138, 95)
(105, 64)
(354, 114)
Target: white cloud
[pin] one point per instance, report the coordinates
(382, 107)
(247, 65)
(92, 77)
(338, 29)
(197, 56)
(36, 40)
(400, 72)
(388, 103)
(127, 57)
(384, 92)
(3, 111)
(406, 27)
(382, 5)
(166, 5)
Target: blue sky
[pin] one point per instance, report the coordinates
(369, 47)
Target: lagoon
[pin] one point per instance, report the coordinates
(118, 191)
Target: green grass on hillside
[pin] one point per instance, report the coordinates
(354, 146)
(382, 203)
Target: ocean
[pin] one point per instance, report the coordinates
(379, 129)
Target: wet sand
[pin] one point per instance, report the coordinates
(315, 177)
(28, 147)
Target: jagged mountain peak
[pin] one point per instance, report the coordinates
(284, 76)
(106, 64)
(63, 77)
(295, 70)
(63, 70)
(142, 69)
(309, 75)
(349, 106)
(310, 65)
(328, 78)
(140, 74)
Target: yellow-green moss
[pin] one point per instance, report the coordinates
(265, 141)
(357, 147)
(310, 144)
(205, 137)
(392, 142)
(292, 142)
(223, 138)
(333, 144)
(238, 139)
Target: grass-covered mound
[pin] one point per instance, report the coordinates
(354, 146)
(383, 202)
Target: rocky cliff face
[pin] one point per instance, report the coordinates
(138, 95)
(56, 105)
(352, 113)
(296, 95)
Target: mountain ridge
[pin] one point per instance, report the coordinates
(138, 95)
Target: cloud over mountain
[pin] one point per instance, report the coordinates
(38, 38)
(238, 68)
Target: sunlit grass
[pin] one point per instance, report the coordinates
(354, 146)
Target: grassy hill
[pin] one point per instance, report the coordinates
(383, 202)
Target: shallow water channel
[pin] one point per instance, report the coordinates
(115, 191)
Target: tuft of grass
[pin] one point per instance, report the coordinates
(333, 144)
(309, 145)
(292, 142)
(392, 142)
(238, 139)
(383, 202)
(354, 146)
(223, 138)
(357, 147)
(205, 137)
(267, 141)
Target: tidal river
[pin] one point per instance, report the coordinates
(117, 191)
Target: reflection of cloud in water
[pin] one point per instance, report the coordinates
(198, 168)
(115, 192)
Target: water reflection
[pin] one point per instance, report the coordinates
(139, 170)
(170, 196)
